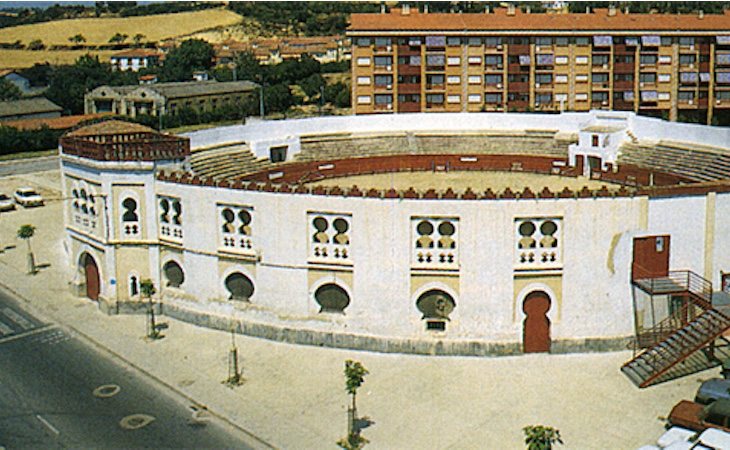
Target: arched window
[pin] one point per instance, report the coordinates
(331, 298)
(174, 274)
(436, 306)
(133, 286)
(239, 286)
(130, 210)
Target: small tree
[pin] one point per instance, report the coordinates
(36, 44)
(538, 437)
(26, 232)
(77, 39)
(137, 38)
(147, 288)
(118, 38)
(354, 378)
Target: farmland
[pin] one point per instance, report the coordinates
(99, 31)
(18, 59)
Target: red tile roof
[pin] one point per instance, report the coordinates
(54, 123)
(499, 21)
(111, 127)
(136, 53)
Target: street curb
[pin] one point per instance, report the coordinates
(125, 361)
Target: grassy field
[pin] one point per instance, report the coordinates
(98, 31)
(18, 59)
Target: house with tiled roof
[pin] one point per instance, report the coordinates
(664, 65)
(135, 59)
(166, 98)
(30, 108)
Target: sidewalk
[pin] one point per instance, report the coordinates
(294, 396)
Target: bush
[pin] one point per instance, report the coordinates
(13, 140)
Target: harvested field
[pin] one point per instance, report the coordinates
(18, 59)
(98, 31)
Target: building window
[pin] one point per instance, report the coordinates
(473, 41)
(382, 41)
(453, 60)
(453, 99)
(130, 218)
(664, 59)
(560, 60)
(686, 95)
(170, 218)
(363, 99)
(686, 40)
(492, 41)
(543, 99)
(561, 79)
(435, 243)
(561, 41)
(561, 98)
(435, 99)
(475, 79)
(434, 80)
(383, 80)
(582, 78)
(647, 77)
(493, 79)
(623, 77)
(599, 60)
(278, 153)
(493, 60)
(664, 77)
(543, 41)
(581, 40)
(435, 41)
(493, 99)
(599, 78)
(331, 298)
(363, 81)
(235, 223)
(686, 60)
(538, 243)
(648, 59)
(435, 306)
(475, 60)
(363, 42)
(581, 97)
(474, 98)
(409, 98)
(453, 40)
(174, 274)
(581, 60)
(453, 79)
(239, 286)
(435, 60)
(329, 238)
(383, 99)
(84, 210)
(543, 78)
(624, 59)
(363, 61)
(383, 61)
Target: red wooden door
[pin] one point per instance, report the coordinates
(92, 278)
(651, 257)
(536, 328)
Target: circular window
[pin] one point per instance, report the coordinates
(548, 228)
(340, 225)
(446, 229)
(527, 228)
(424, 228)
(320, 223)
(174, 274)
(227, 215)
(240, 287)
(332, 298)
(435, 304)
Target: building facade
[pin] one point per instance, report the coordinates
(662, 65)
(135, 59)
(435, 271)
(29, 108)
(166, 98)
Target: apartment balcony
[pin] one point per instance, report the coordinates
(407, 50)
(383, 87)
(409, 107)
(435, 87)
(623, 85)
(383, 50)
(386, 69)
(409, 88)
(494, 87)
(517, 86)
(623, 67)
(407, 69)
(518, 49)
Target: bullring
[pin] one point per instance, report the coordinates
(471, 234)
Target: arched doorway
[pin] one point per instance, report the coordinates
(91, 271)
(536, 327)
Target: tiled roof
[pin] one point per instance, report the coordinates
(54, 123)
(111, 127)
(598, 20)
(28, 106)
(189, 88)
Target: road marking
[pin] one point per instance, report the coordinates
(17, 318)
(47, 424)
(25, 334)
(5, 328)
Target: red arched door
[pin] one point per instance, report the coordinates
(536, 328)
(92, 277)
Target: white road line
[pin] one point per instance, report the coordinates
(47, 424)
(5, 328)
(26, 333)
(17, 318)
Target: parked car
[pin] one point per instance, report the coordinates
(713, 389)
(699, 417)
(6, 203)
(28, 197)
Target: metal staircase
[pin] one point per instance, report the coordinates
(684, 342)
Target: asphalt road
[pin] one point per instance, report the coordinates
(28, 165)
(57, 391)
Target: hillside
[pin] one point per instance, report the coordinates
(98, 31)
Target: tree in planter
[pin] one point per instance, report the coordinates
(147, 288)
(26, 232)
(354, 378)
(538, 437)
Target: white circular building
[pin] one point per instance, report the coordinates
(469, 234)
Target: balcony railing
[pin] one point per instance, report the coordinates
(145, 147)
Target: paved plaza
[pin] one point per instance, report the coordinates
(293, 396)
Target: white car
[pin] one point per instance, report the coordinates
(28, 197)
(6, 203)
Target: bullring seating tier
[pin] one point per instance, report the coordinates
(323, 147)
(226, 161)
(692, 161)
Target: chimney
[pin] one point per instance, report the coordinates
(510, 9)
(406, 10)
(612, 10)
(700, 14)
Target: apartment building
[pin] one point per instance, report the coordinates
(663, 65)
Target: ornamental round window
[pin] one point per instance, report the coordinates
(331, 298)
(174, 274)
(239, 286)
(435, 304)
